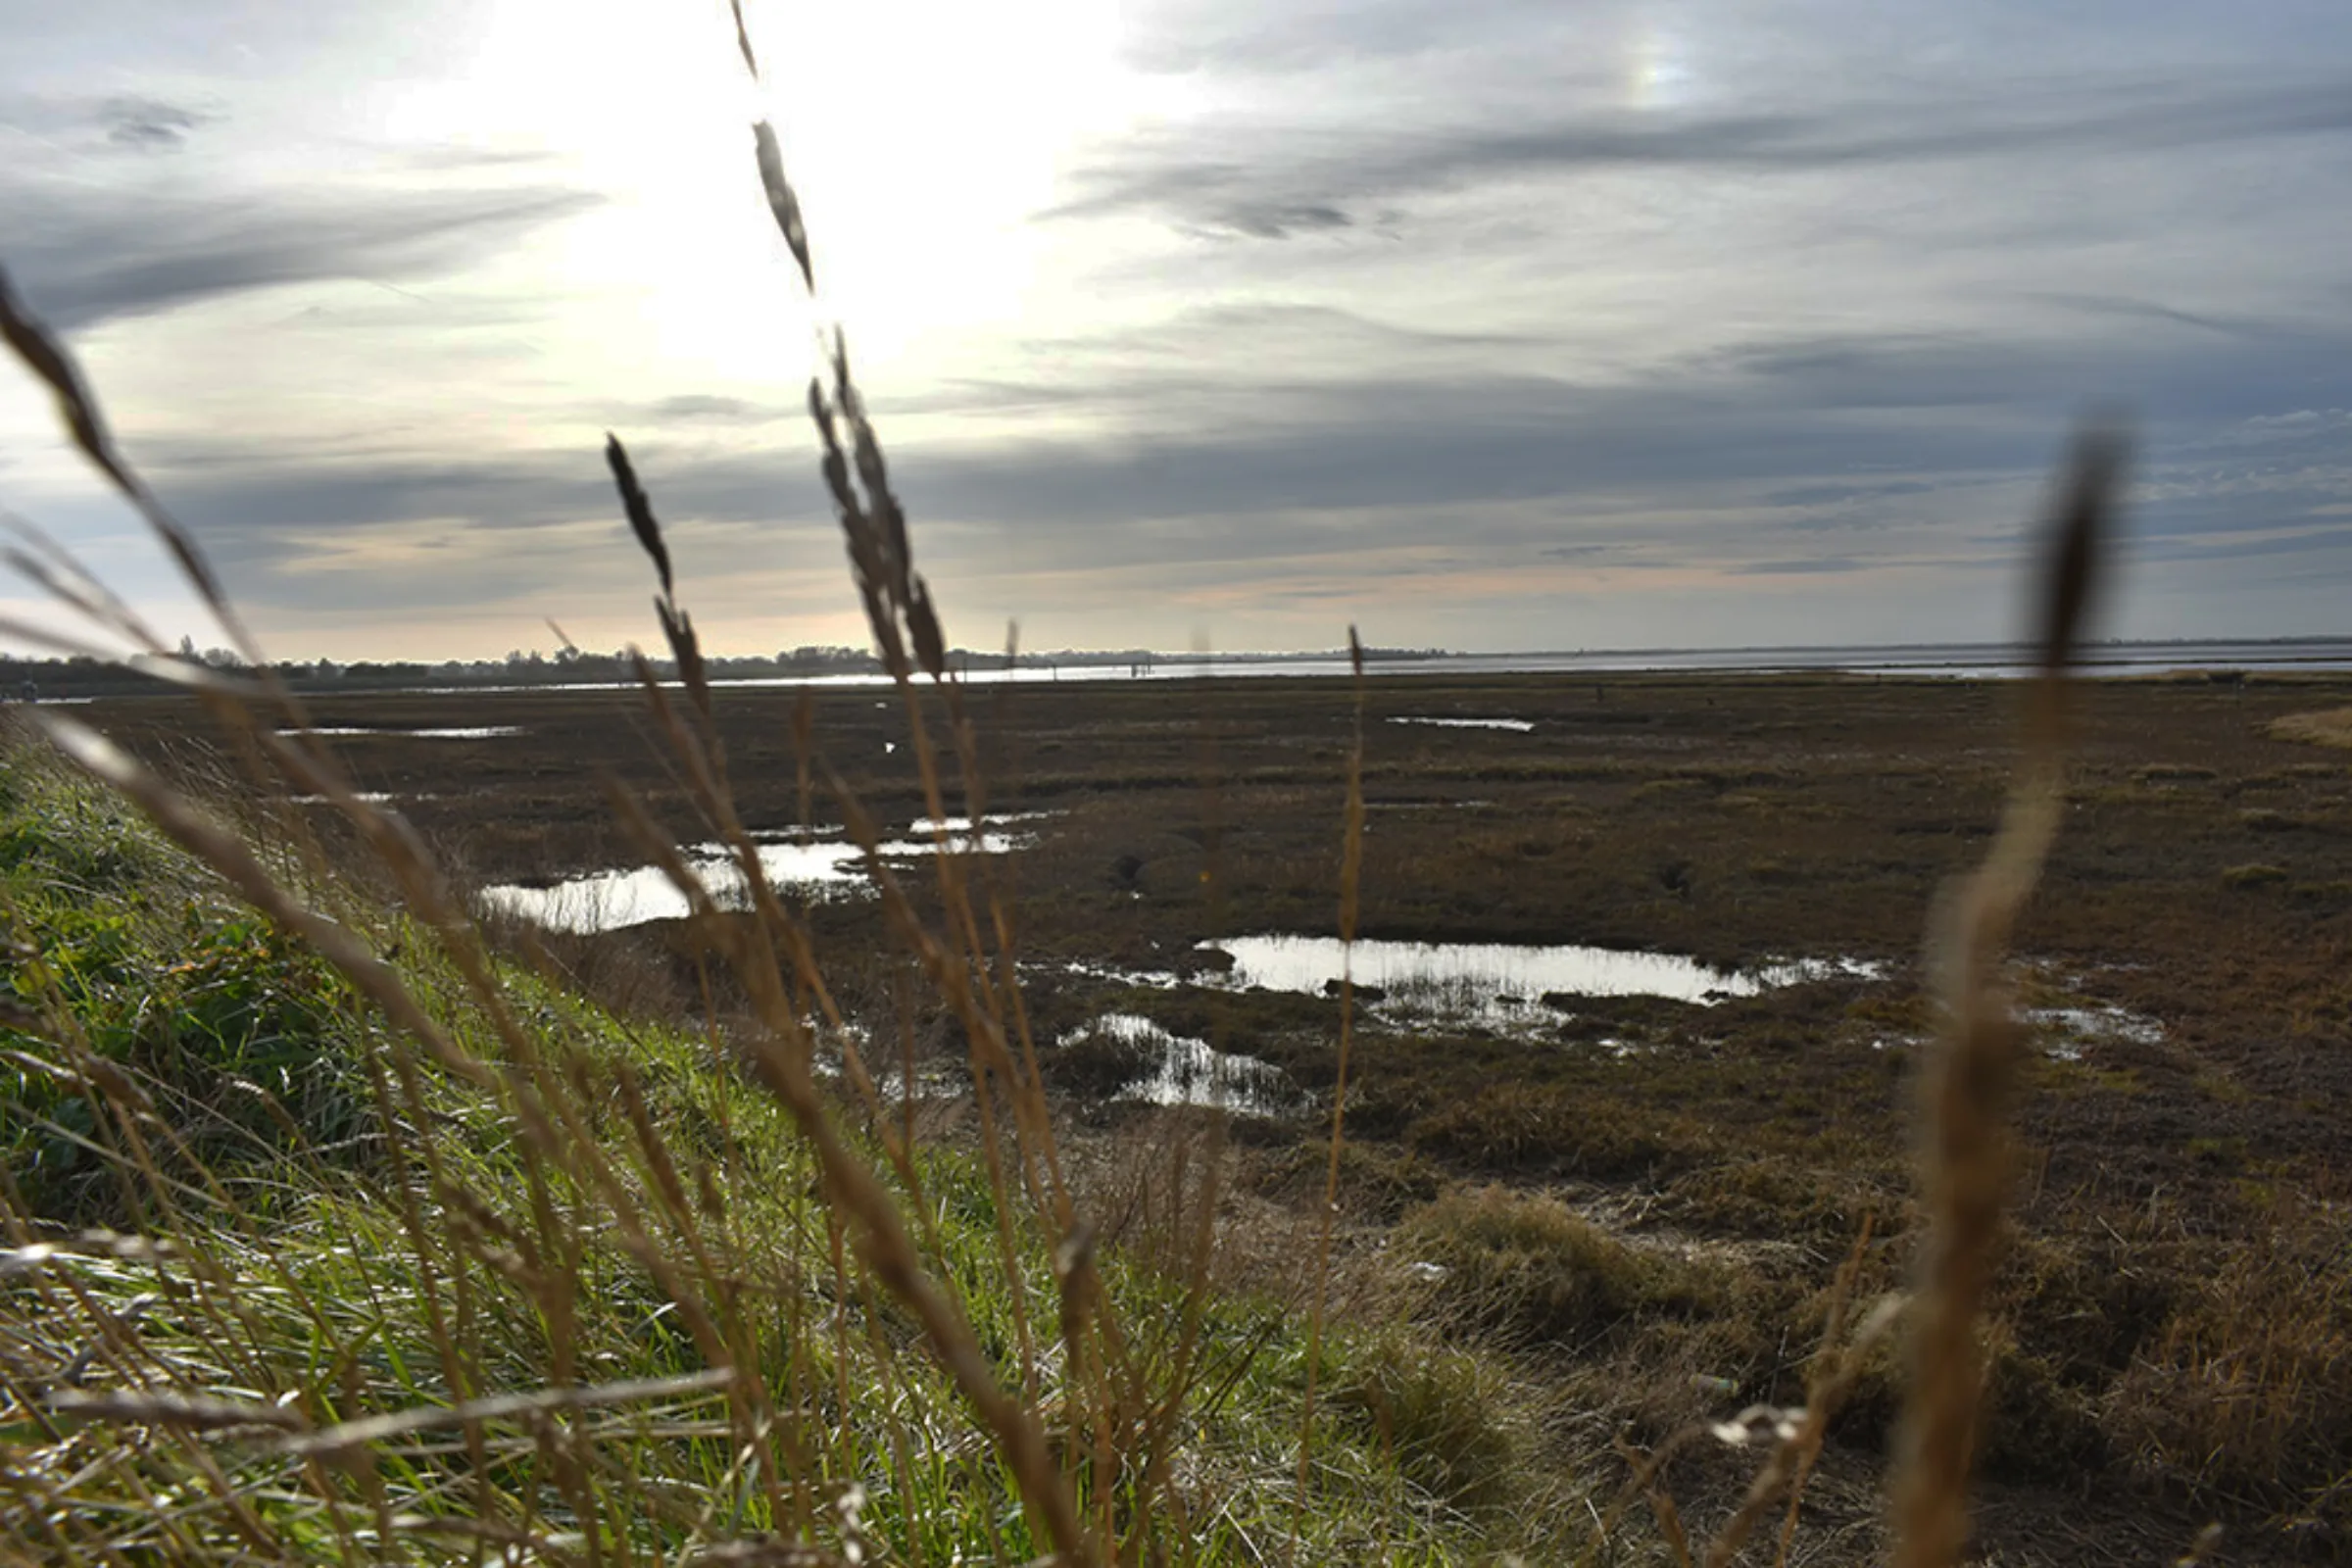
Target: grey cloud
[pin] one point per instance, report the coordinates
(2306, 542)
(2201, 390)
(1825, 495)
(1289, 173)
(1479, 464)
(1201, 357)
(85, 256)
(2153, 310)
(1852, 520)
(148, 124)
(476, 529)
(1285, 326)
(1814, 566)
(1278, 221)
(694, 407)
(460, 159)
(1201, 35)
(243, 498)
(979, 396)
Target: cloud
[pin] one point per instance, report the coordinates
(700, 407)
(86, 256)
(1826, 495)
(1295, 170)
(1690, 471)
(1226, 38)
(148, 124)
(1281, 221)
(1811, 566)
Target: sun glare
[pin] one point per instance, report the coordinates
(1657, 68)
(921, 135)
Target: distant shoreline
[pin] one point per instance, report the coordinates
(48, 680)
(1945, 660)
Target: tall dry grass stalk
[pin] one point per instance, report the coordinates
(1964, 1154)
(1352, 863)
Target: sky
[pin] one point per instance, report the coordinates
(1486, 324)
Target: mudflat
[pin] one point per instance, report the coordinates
(2185, 973)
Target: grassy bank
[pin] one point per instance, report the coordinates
(282, 1286)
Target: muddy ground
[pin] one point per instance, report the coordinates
(2189, 957)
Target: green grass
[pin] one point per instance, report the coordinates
(354, 1232)
(240, 1037)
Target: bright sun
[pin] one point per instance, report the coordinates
(921, 134)
(1657, 67)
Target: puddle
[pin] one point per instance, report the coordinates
(478, 732)
(1192, 1072)
(1151, 979)
(884, 1068)
(928, 826)
(2066, 1032)
(611, 900)
(370, 797)
(1489, 978)
(1518, 725)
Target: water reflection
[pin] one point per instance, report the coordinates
(466, 732)
(2066, 1032)
(1520, 726)
(1190, 1072)
(610, 901)
(1457, 979)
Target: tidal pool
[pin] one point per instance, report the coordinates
(2066, 1031)
(1520, 726)
(958, 831)
(474, 732)
(610, 901)
(1192, 1072)
(1478, 977)
(1151, 979)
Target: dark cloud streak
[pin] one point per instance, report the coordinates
(86, 258)
(149, 124)
(1292, 178)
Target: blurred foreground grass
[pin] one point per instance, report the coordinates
(280, 1290)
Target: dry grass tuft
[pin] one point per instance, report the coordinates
(2329, 726)
(1530, 1268)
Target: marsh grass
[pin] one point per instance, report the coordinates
(439, 1336)
(2328, 728)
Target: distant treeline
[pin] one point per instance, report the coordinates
(29, 678)
(32, 679)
